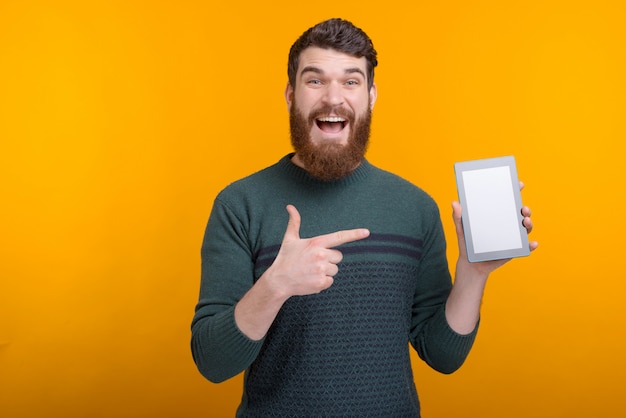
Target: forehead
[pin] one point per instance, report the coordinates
(329, 60)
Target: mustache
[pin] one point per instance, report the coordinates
(331, 110)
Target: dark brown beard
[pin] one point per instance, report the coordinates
(330, 162)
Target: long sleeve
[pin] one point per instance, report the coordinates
(435, 342)
(219, 348)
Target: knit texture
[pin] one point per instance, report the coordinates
(345, 351)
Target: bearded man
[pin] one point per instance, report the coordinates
(318, 304)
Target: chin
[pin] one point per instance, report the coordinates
(342, 140)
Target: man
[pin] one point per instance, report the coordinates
(319, 302)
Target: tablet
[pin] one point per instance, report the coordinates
(492, 218)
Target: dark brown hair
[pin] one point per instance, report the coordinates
(337, 34)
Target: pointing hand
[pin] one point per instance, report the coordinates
(307, 266)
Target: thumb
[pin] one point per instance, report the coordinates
(293, 226)
(458, 224)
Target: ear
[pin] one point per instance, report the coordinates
(373, 96)
(289, 96)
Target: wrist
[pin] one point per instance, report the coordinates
(472, 272)
(271, 285)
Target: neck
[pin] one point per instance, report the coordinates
(297, 161)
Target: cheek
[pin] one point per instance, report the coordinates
(360, 103)
(305, 103)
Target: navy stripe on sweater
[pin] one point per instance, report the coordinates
(374, 244)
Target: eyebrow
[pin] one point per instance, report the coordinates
(317, 70)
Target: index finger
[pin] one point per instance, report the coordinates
(342, 237)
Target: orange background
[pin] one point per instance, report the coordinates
(120, 121)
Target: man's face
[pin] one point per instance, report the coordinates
(330, 112)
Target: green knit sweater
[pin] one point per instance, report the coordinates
(345, 351)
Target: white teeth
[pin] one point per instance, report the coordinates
(331, 119)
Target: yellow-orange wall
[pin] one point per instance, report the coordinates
(121, 120)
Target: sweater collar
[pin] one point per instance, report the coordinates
(302, 175)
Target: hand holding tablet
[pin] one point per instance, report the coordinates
(490, 196)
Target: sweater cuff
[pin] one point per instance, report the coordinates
(449, 349)
(235, 344)
(228, 351)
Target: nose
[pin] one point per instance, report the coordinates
(333, 94)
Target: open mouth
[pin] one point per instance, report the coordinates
(331, 124)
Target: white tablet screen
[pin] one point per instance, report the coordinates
(491, 209)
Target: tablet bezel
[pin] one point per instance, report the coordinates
(507, 161)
